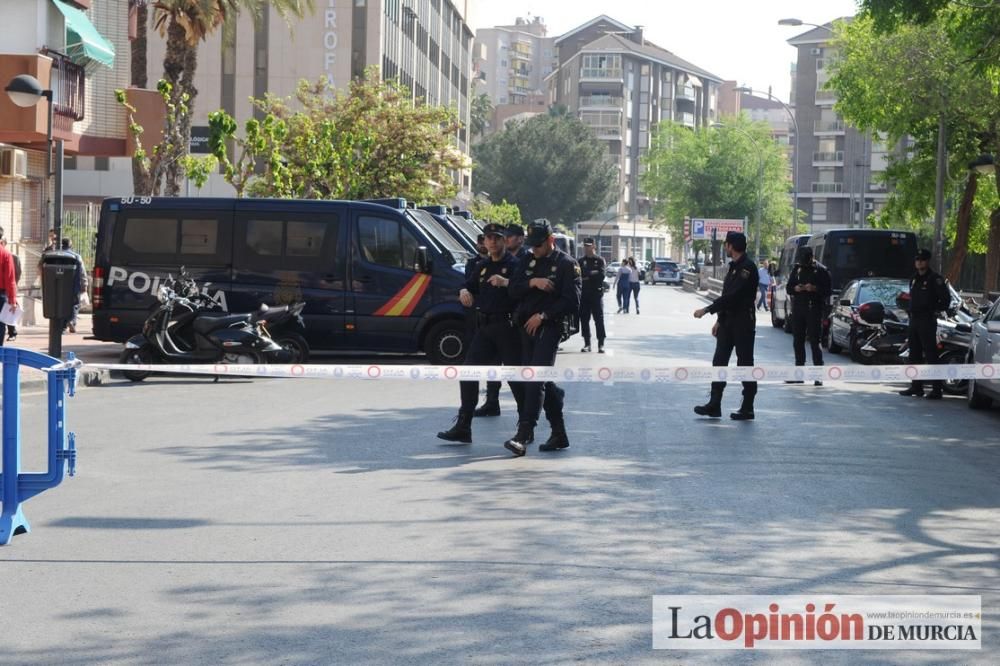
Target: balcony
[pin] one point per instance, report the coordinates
(607, 132)
(829, 159)
(828, 127)
(601, 102)
(827, 188)
(826, 97)
(69, 81)
(601, 74)
(684, 92)
(686, 119)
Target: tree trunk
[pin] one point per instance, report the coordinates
(961, 246)
(173, 72)
(993, 253)
(140, 179)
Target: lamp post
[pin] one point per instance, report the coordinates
(25, 91)
(760, 182)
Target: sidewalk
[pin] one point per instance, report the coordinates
(36, 338)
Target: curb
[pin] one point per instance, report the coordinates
(85, 377)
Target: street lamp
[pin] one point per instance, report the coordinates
(25, 91)
(760, 181)
(984, 164)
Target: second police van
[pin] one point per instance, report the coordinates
(376, 276)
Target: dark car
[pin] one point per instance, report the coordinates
(846, 324)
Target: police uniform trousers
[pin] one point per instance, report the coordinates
(540, 349)
(592, 305)
(807, 322)
(923, 344)
(735, 332)
(495, 341)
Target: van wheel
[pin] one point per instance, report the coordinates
(141, 356)
(977, 400)
(446, 343)
(295, 345)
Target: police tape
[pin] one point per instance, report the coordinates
(600, 375)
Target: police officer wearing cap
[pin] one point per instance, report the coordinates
(592, 268)
(736, 326)
(809, 287)
(495, 340)
(547, 288)
(515, 242)
(929, 295)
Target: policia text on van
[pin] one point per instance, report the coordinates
(375, 277)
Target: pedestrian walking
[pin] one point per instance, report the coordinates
(929, 295)
(80, 284)
(623, 286)
(809, 287)
(735, 327)
(764, 282)
(8, 281)
(496, 339)
(634, 282)
(547, 288)
(12, 330)
(592, 268)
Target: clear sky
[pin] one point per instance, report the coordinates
(733, 39)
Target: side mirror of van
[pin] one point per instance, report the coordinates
(424, 263)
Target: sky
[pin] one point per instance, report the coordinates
(733, 39)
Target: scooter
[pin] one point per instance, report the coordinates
(188, 326)
(954, 339)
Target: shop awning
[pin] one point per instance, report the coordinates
(83, 42)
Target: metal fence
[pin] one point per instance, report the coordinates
(80, 226)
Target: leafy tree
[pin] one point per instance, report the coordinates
(973, 25)
(502, 213)
(480, 113)
(717, 173)
(370, 142)
(901, 84)
(550, 166)
(149, 166)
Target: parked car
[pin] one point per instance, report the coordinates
(846, 325)
(612, 269)
(985, 348)
(664, 271)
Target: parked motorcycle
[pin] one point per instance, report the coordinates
(881, 334)
(189, 326)
(954, 339)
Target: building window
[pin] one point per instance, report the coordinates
(601, 67)
(102, 164)
(819, 210)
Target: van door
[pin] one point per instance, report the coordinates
(389, 294)
(283, 255)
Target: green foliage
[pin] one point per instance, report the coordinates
(152, 165)
(718, 173)
(551, 166)
(502, 213)
(480, 112)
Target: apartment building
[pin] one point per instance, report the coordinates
(622, 85)
(838, 167)
(78, 49)
(425, 44)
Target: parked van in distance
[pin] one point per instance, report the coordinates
(375, 276)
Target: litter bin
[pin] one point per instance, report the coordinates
(58, 280)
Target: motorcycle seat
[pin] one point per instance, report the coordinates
(206, 325)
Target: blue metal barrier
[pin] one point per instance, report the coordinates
(16, 488)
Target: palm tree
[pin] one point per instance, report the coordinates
(482, 109)
(185, 23)
(138, 76)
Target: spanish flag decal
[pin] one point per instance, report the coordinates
(406, 299)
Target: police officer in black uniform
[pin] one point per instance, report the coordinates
(592, 296)
(496, 339)
(547, 288)
(809, 287)
(470, 313)
(736, 326)
(929, 295)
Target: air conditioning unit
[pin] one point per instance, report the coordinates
(13, 163)
(815, 51)
(869, 205)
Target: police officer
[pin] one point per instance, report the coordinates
(736, 326)
(592, 296)
(495, 340)
(547, 288)
(470, 265)
(809, 288)
(515, 242)
(929, 295)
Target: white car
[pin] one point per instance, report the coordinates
(664, 270)
(985, 348)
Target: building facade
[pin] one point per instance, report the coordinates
(839, 169)
(78, 49)
(621, 86)
(425, 44)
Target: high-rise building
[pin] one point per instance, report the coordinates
(622, 85)
(425, 44)
(838, 167)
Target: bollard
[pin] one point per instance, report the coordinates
(17, 488)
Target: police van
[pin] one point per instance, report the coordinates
(778, 299)
(375, 276)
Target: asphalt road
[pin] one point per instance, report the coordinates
(321, 522)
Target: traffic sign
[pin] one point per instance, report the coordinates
(701, 228)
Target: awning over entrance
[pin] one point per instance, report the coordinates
(83, 42)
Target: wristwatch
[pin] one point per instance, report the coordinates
(543, 316)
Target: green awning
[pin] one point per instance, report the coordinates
(83, 42)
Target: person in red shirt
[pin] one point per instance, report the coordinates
(8, 281)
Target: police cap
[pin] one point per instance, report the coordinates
(923, 254)
(538, 232)
(515, 230)
(494, 229)
(588, 241)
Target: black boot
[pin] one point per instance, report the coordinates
(916, 389)
(709, 409)
(519, 442)
(558, 439)
(936, 392)
(489, 408)
(745, 412)
(461, 431)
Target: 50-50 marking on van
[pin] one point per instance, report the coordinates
(142, 283)
(137, 200)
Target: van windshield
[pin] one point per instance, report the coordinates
(445, 240)
(465, 226)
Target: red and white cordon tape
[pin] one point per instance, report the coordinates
(587, 375)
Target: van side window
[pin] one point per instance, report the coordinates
(264, 237)
(151, 235)
(305, 239)
(199, 236)
(291, 241)
(386, 243)
(185, 238)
